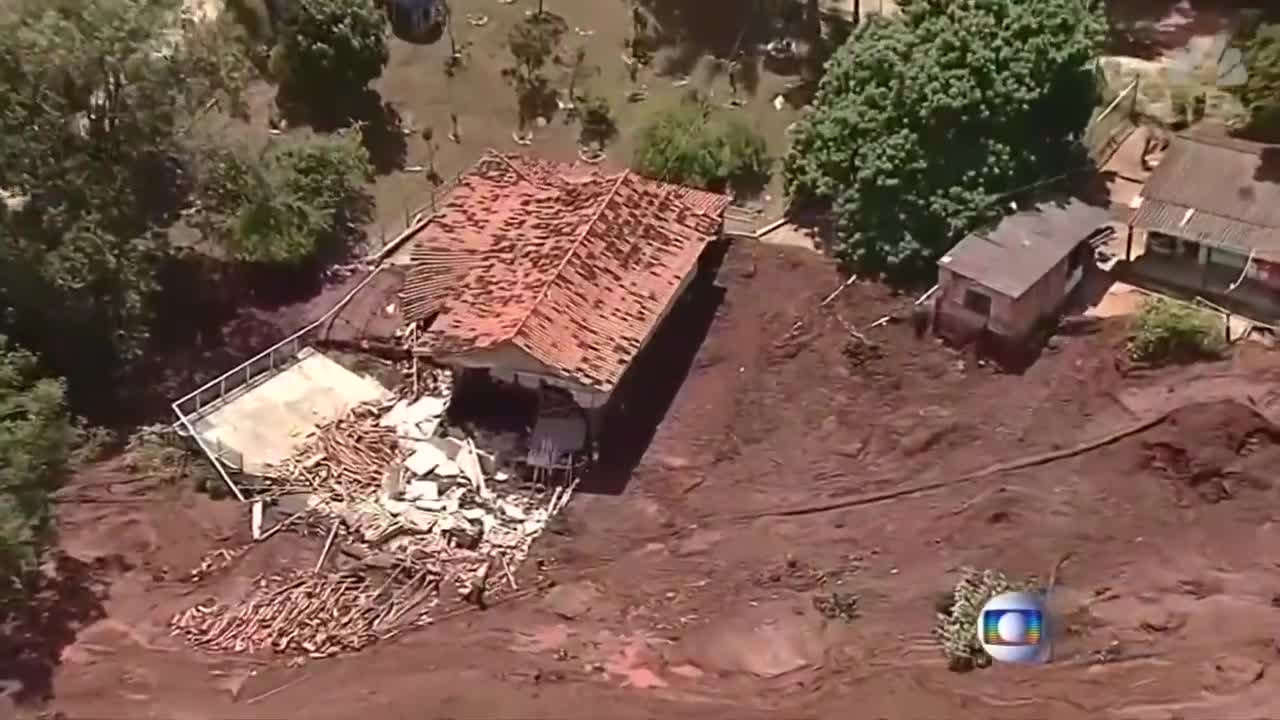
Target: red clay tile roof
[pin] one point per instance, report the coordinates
(572, 265)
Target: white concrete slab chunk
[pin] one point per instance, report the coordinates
(426, 457)
(422, 490)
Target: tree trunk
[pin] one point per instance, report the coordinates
(813, 20)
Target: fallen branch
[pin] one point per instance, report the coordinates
(282, 524)
(851, 329)
(278, 688)
(827, 300)
(1007, 466)
(324, 554)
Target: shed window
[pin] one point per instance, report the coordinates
(1162, 243)
(977, 302)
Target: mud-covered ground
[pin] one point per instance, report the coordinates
(690, 592)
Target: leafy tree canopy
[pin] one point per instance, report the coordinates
(95, 100)
(921, 120)
(35, 439)
(1261, 92)
(694, 146)
(287, 204)
(331, 49)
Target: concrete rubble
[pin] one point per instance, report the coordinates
(439, 503)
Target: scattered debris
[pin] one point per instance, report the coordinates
(397, 490)
(477, 19)
(792, 574)
(591, 156)
(214, 562)
(305, 614)
(837, 606)
(781, 49)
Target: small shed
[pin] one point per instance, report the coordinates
(1004, 281)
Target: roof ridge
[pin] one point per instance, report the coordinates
(514, 167)
(1199, 211)
(577, 242)
(1244, 146)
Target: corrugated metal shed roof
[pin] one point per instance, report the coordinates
(1022, 247)
(1216, 190)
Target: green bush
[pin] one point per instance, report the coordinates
(291, 204)
(598, 126)
(1168, 330)
(693, 146)
(36, 437)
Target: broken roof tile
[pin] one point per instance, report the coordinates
(572, 265)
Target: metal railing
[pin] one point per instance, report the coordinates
(1112, 125)
(267, 363)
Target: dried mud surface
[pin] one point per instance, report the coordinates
(676, 598)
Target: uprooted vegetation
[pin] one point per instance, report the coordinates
(958, 615)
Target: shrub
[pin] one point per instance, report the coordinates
(691, 145)
(291, 204)
(958, 616)
(36, 437)
(598, 126)
(1168, 330)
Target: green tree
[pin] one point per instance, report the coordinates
(331, 49)
(288, 204)
(691, 144)
(1261, 92)
(921, 122)
(96, 98)
(598, 125)
(532, 43)
(35, 438)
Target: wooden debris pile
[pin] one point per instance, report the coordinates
(345, 457)
(387, 480)
(315, 615)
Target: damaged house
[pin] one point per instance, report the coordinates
(551, 278)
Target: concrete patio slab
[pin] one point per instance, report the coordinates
(266, 423)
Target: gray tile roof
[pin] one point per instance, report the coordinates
(1023, 247)
(1215, 190)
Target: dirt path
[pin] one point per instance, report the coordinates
(662, 606)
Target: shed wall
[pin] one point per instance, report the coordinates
(1009, 317)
